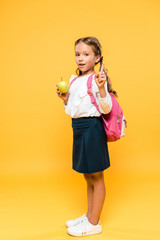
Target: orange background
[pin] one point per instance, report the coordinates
(37, 49)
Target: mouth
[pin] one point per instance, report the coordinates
(81, 65)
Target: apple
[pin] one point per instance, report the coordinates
(63, 86)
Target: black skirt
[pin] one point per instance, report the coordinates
(90, 148)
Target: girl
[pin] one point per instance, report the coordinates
(90, 149)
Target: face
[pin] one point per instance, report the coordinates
(85, 58)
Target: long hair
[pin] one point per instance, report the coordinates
(96, 46)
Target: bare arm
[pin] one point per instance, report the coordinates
(105, 102)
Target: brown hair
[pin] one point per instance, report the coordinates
(96, 46)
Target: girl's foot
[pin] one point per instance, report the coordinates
(74, 222)
(84, 228)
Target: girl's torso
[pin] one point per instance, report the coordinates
(79, 102)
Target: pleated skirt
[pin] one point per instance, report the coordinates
(90, 149)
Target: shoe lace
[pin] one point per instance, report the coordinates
(78, 220)
(82, 226)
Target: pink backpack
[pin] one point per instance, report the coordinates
(114, 122)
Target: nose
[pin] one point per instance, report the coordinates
(81, 58)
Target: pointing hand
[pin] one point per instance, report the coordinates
(100, 77)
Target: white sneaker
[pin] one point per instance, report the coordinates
(84, 228)
(74, 222)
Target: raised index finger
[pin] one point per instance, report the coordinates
(102, 68)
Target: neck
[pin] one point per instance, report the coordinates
(87, 72)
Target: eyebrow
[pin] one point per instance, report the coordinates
(83, 52)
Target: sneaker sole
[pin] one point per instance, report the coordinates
(85, 233)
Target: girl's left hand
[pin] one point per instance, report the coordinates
(100, 77)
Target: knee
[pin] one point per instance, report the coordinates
(88, 177)
(97, 176)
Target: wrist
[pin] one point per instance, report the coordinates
(65, 102)
(102, 92)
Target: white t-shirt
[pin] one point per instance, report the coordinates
(79, 102)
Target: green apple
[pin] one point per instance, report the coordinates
(63, 86)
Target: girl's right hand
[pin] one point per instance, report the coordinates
(63, 96)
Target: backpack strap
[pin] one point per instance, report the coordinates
(73, 80)
(90, 93)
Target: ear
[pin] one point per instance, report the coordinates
(97, 58)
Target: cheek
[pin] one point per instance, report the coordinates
(91, 61)
(76, 60)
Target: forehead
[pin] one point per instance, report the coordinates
(82, 47)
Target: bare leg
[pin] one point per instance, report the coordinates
(90, 192)
(98, 197)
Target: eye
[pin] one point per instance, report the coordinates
(77, 54)
(86, 54)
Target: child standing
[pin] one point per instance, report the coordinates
(90, 149)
